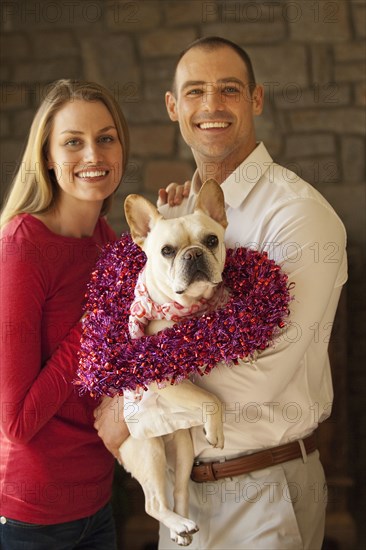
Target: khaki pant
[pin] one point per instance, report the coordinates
(279, 508)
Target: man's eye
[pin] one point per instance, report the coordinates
(195, 91)
(168, 251)
(231, 90)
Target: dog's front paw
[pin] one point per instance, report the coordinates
(183, 537)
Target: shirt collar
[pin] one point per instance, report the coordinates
(239, 183)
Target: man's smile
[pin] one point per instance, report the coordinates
(209, 125)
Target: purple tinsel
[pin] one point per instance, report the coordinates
(110, 361)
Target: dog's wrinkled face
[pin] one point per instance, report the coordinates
(185, 256)
(188, 251)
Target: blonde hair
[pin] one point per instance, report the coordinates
(35, 188)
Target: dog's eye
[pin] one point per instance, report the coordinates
(168, 251)
(212, 241)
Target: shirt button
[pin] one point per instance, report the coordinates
(2, 520)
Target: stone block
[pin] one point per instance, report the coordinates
(143, 111)
(160, 173)
(321, 56)
(278, 66)
(43, 14)
(5, 72)
(244, 11)
(319, 21)
(58, 43)
(158, 69)
(116, 220)
(10, 153)
(349, 120)
(349, 201)
(184, 152)
(268, 131)
(153, 139)
(166, 42)
(353, 159)
(247, 33)
(47, 71)
(13, 96)
(309, 145)
(353, 71)
(110, 59)
(4, 125)
(36, 92)
(189, 12)
(14, 46)
(352, 51)
(318, 171)
(132, 181)
(158, 76)
(135, 16)
(359, 19)
(327, 95)
(22, 121)
(127, 91)
(155, 90)
(360, 94)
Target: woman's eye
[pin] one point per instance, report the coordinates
(168, 251)
(106, 139)
(72, 142)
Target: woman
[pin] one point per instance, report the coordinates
(56, 474)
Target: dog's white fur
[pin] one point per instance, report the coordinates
(171, 277)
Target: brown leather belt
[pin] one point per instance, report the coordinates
(211, 471)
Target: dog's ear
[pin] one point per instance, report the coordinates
(141, 216)
(211, 201)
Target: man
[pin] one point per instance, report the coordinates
(281, 397)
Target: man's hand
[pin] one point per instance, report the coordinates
(110, 424)
(173, 194)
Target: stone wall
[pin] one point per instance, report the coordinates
(310, 56)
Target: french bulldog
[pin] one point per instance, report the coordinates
(185, 260)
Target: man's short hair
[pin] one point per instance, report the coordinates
(213, 43)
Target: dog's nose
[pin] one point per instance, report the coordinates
(192, 254)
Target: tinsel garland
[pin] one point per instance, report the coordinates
(111, 362)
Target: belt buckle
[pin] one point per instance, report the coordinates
(208, 469)
(197, 462)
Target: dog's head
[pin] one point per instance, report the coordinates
(186, 255)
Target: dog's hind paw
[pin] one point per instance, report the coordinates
(182, 540)
(215, 437)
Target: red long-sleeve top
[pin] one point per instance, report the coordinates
(54, 467)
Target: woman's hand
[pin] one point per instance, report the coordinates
(173, 194)
(110, 423)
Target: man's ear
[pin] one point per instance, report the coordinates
(171, 106)
(258, 99)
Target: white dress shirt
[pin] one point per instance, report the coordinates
(287, 391)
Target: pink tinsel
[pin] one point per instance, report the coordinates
(110, 361)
